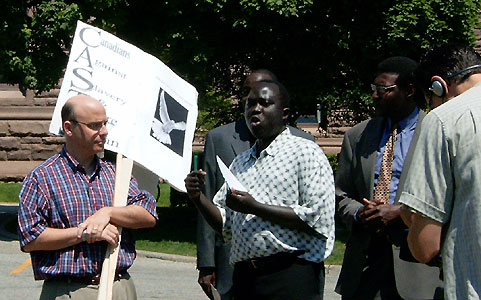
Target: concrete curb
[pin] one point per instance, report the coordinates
(165, 256)
(189, 259)
(336, 269)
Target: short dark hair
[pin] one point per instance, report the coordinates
(284, 95)
(403, 66)
(67, 112)
(406, 68)
(442, 60)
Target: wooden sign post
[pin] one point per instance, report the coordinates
(123, 173)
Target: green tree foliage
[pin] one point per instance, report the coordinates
(323, 51)
(34, 38)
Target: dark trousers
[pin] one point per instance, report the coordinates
(298, 279)
(378, 275)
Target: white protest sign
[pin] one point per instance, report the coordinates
(151, 111)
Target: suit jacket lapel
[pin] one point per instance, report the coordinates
(238, 145)
(241, 138)
(370, 144)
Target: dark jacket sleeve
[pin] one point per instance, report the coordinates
(205, 234)
(346, 194)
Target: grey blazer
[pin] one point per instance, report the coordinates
(227, 142)
(355, 181)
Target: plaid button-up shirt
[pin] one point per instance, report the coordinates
(59, 194)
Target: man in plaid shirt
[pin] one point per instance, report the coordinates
(66, 218)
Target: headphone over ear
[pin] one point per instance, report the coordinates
(439, 87)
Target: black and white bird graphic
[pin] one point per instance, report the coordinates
(162, 128)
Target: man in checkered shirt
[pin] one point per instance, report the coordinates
(282, 229)
(66, 217)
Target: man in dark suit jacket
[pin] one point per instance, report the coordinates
(227, 142)
(368, 267)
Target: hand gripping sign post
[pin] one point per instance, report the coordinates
(122, 182)
(151, 111)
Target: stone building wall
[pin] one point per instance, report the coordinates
(24, 137)
(24, 122)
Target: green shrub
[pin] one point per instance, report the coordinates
(333, 160)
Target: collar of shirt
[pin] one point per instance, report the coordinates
(407, 123)
(75, 165)
(273, 148)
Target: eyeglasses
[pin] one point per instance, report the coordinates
(380, 89)
(95, 126)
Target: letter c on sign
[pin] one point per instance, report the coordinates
(91, 39)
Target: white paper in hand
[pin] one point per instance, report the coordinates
(215, 293)
(230, 179)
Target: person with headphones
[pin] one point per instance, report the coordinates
(442, 77)
(442, 195)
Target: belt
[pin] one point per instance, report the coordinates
(270, 264)
(87, 279)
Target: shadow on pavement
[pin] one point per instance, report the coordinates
(8, 222)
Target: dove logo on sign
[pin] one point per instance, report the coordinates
(169, 123)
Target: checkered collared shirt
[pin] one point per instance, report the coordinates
(58, 194)
(293, 172)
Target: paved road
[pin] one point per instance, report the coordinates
(156, 276)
